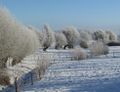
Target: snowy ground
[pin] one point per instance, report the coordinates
(24, 68)
(101, 74)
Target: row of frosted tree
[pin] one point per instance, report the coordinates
(18, 40)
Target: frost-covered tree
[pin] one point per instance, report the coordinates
(16, 40)
(49, 37)
(60, 40)
(112, 36)
(98, 35)
(72, 36)
(101, 35)
(39, 34)
(85, 38)
(85, 35)
(118, 38)
(83, 44)
(29, 44)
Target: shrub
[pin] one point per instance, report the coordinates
(49, 37)
(43, 62)
(98, 48)
(60, 40)
(79, 54)
(4, 78)
(72, 36)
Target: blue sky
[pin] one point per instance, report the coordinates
(61, 13)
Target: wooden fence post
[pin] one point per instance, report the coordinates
(16, 85)
(31, 78)
(113, 55)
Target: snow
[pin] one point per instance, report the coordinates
(23, 68)
(97, 74)
(27, 65)
(101, 74)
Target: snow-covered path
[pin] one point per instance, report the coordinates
(91, 75)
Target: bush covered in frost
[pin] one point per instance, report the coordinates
(98, 48)
(79, 54)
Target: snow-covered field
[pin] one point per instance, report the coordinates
(92, 75)
(98, 74)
